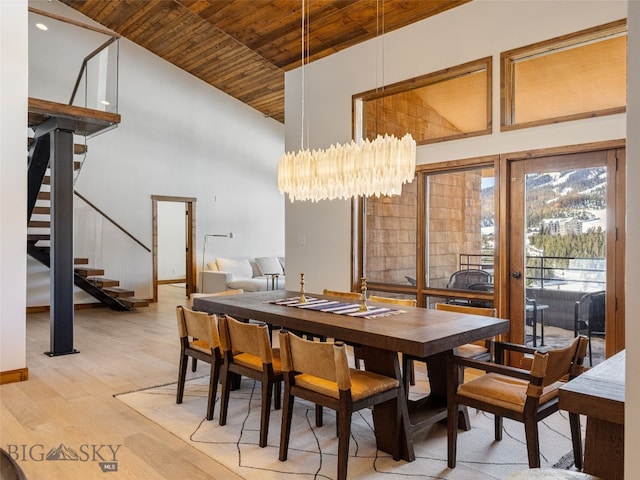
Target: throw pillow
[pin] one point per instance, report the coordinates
(269, 265)
(238, 268)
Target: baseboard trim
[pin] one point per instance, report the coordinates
(78, 306)
(11, 376)
(171, 281)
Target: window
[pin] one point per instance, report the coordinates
(443, 222)
(567, 78)
(444, 105)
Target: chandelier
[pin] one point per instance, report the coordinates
(367, 168)
(364, 168)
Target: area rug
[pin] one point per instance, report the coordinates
(313, 451)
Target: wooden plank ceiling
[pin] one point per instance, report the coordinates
(243, 47)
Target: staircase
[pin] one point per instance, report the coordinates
(89, 279)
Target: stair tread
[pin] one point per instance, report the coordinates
(103, 282)
(119, 292)
(36, 237)
(88, 271)
(42, 210)
(80, 261)
(44, 195)
(39, 224)
(134, 302)
(78, 148)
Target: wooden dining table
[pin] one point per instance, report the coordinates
(599, 394)
(415, 331)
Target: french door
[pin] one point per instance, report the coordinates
(565, 235)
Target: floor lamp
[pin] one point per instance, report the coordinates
(204, 249)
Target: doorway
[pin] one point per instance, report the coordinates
(185, 225)
(565, 227)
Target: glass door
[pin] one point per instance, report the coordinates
(562, 234)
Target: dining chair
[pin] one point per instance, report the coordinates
(406, 302)
(193, 296)
(337, 293)
(199, 339)
(355, 296)
(526, 396)
(319, 372)
(589, 315)
(480, 350)
(247, 351)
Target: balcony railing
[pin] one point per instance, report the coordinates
(578, 274)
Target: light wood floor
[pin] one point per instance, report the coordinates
(69, 399)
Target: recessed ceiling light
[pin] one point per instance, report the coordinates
(42, 26)
(104, 102)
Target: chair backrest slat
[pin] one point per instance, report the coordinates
(336, 293)
(487, 312)
(405, 302)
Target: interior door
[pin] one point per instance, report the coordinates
(565, 246)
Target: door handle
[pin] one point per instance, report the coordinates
(516, 274)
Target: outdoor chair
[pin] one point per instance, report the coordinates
(319, 372)
(247, 351)
(468, 279)
(199, 340)
(461, 279)
(589, 315)
(522, 395)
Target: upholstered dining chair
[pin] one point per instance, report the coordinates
(247, 351)
(480, 350)
(193, 296)
(319, 372)
(522, 395)
(199, 340)
(340, 294)
(406, 302)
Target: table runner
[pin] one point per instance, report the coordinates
(335, 306)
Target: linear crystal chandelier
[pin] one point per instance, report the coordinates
(364, 168)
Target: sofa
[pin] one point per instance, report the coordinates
(249, 274)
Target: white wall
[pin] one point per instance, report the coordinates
(13, 183)
(632, 334)
(178, 137)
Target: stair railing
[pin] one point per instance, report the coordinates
(112, 221)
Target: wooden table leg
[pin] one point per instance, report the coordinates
(386, 362)
(604, 449)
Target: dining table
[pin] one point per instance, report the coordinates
(382, 332)
(599, 395)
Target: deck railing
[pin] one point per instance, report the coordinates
(544, 272)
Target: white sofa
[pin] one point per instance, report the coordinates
(249, 274)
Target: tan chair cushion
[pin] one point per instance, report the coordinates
(363, 384)
(503, 391)
(254, 362)
(201, 345)
(471, 350)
